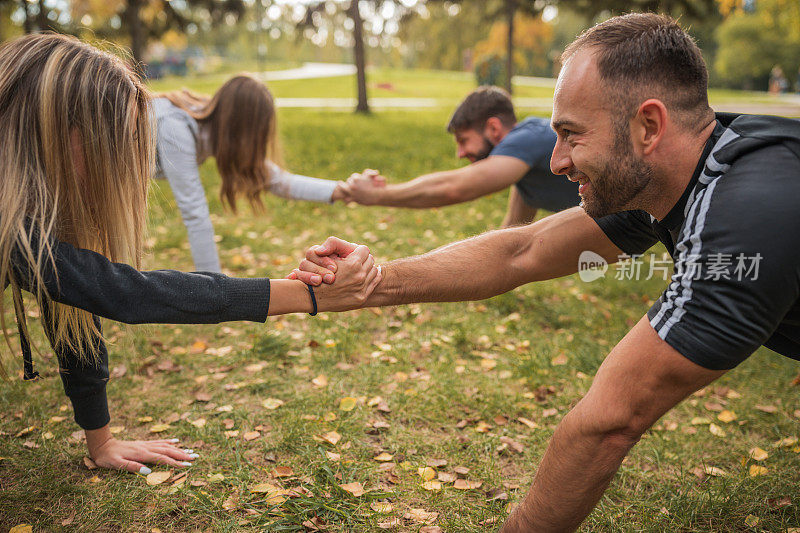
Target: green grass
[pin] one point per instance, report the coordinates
(428, 362)
(448, 88)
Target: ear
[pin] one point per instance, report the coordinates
(649, 126)
(494, 129)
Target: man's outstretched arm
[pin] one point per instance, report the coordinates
(443, 188)
(518, 212)
(641, 379)
(476, 268)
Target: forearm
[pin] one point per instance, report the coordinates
(575, 471)
(430, 190)
(299, 187)
(495, 262)
(473, 269)
(289, 296)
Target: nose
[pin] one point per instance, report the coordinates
(560, 160)
(461, 152)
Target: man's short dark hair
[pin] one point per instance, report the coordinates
(645, 55)
(480, 105)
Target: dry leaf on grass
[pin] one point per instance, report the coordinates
(432, 485)
(282, 471)
(716, 430)
(446, 477)
(356, 489)
(347, 404)
(421, 516)
(757, 454)
(157, 478)
(383, 457)
(331, 437)
(463, 484)
(251, 435)
(427, 473)
(726, 416)
(767, 408)
(272, 403)
(511, 443)
(758, 470)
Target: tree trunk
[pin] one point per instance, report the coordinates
(136, 30)
(358, 49)
(511, 8)
(27, 23)
(41, 18)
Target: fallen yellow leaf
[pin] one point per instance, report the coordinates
(427, 473)
(785, 443)
(332, 437)
(320, 381)
(758, 470)
(758, 454)
(716, 430)
(356, 489)
(347, 404)
(727, 416)
(432, 485)
(383, 457)
(251, 435)
(463, 484)
(751, 520)
(21, 528)
(160, 428)
(272, 403)
(157, 478)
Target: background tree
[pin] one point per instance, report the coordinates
(752, 42)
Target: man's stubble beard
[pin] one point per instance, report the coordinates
(621, 178)
(487, 149)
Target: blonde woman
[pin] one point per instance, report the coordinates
(75, 155)
(237, 126)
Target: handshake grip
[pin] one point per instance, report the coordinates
(362, 188)
(344, 274)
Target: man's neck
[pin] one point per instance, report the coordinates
(672, 178)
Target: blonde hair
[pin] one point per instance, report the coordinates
(59, 96)
(242, 120)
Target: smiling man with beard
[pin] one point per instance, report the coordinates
(502, 153)
(653, 163)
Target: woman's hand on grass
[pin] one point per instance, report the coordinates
(108, 452)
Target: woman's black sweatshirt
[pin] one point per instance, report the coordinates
(89, 281)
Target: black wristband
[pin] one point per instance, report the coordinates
(313, 299)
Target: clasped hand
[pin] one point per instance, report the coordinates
(348, 271)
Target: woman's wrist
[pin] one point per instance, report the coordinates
(97, 438)
(288, 296)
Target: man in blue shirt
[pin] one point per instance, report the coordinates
(501, 152)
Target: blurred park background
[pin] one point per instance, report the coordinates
(748, 44)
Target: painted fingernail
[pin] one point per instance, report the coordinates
(173, 440)
(194, 455)
(144, 471)
(186, 463)
(188, 451)
(328, 278)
